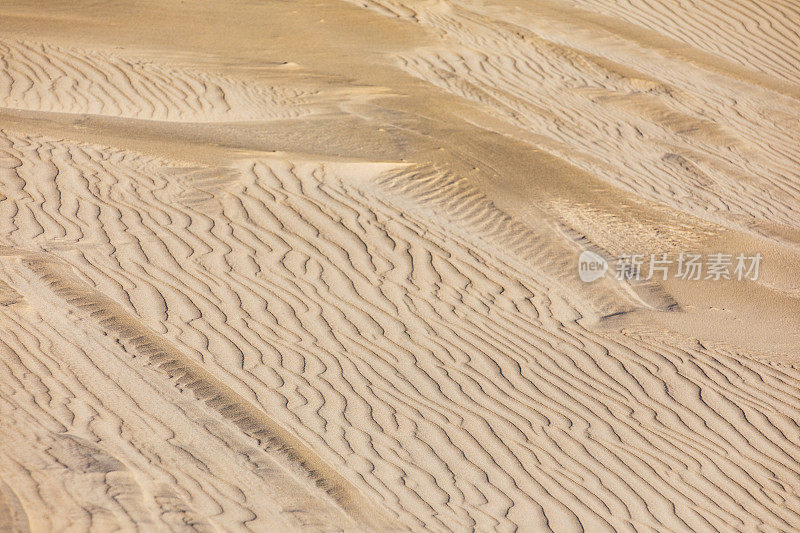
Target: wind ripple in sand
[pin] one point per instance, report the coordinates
(45, 77)
(447, 381)
(661, 127)
(760, 34)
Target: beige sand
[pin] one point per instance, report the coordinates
(311, 266)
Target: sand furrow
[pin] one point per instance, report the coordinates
(759, 34)
(393, 317)
(84, 388)
(45, 77)
(623, 110)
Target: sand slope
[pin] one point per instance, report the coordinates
(314, 301)
(623, 109)
(211, 323)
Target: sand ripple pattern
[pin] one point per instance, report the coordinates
(46, 77)
(374, 323)
(760, 34)
(663, 128)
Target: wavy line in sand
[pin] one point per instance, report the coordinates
(140, 342)
(50, 78)
(112, 475)
(760, 34)
(637, 116)
(446, 380)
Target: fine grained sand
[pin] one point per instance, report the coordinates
(312, 266)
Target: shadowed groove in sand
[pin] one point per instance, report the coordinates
(140, 342)
(636, 116)
(46, 77)
(549, 251)
(761, 34)
(118, 464)
(368, 314)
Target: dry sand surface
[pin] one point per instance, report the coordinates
(277, 265)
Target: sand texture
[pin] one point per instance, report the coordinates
(312, 266)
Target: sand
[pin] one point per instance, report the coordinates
(313, 266)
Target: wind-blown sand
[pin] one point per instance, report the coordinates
(313, 266)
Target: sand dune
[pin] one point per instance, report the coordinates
(207, 327)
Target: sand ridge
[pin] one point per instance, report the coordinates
(726, 151)
(265, 338)
(44, 77)
(316, 300)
